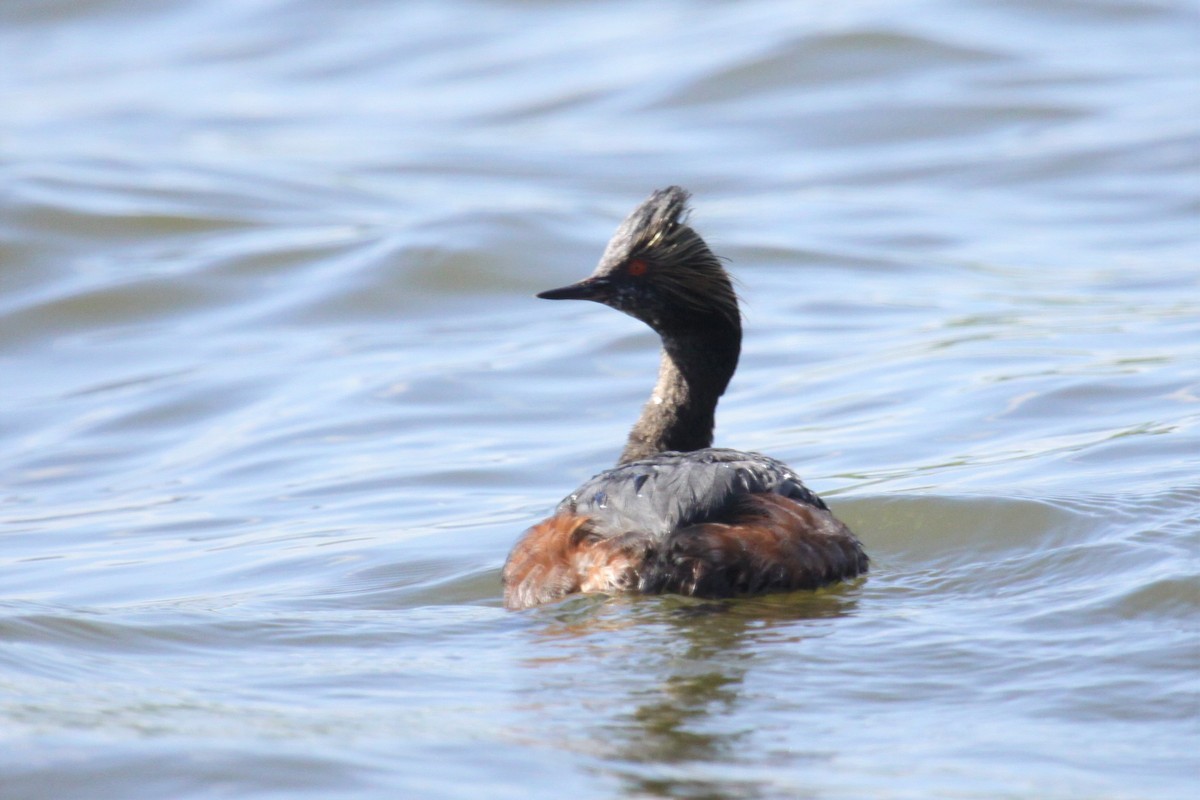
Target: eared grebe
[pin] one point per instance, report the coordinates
(677, 515)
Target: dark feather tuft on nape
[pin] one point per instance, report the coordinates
(688, 276)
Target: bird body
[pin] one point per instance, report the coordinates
(677, 515)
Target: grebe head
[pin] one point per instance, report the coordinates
(659, 270)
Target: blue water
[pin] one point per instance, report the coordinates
(277, 399)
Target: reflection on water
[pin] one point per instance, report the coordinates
(674, 670)
(277, 399)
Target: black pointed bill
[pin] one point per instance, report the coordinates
(588, 289)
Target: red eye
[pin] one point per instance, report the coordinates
(637, 268)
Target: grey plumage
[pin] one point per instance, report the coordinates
(660, 494)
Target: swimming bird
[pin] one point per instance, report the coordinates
(677, 515)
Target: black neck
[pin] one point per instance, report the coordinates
(695, 369)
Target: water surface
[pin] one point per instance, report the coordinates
(277, 399)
